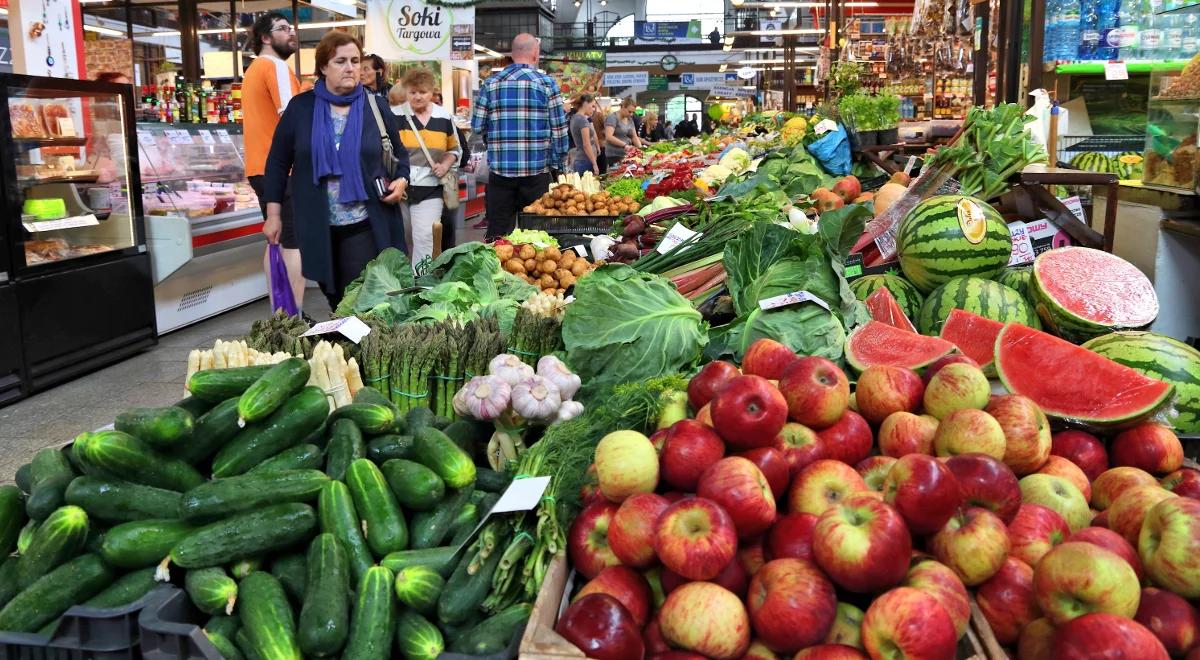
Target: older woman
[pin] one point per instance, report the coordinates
(428, 133)
(329, 143)
(620, 133)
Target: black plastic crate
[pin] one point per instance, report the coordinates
(85, 633)
(567, 224)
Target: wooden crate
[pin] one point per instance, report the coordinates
(983, 644)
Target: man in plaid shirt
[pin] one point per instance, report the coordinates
(519, 115)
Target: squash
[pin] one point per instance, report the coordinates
(887, 195)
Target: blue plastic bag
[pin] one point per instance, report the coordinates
(281, 287)
(832, 151)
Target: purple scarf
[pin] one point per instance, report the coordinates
(328, 158)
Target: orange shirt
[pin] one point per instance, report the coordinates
(262, 104)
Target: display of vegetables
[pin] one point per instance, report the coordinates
(566, 200)
(992, 147)
(550, 269)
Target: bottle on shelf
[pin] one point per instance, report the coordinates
(1068, 32)
(1050, 44)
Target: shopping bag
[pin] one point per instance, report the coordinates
(832, 151)
(281, 287)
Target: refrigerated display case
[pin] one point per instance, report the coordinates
(203, 221)
(77, 269)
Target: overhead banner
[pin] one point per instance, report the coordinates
(735, 92)
(705, 80)
(672, 31)
(412, 30)
(626, 79)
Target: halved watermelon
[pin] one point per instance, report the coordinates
(974, 335)
(880, 343)
(885, 309)
(1082, 293)
(1072, 383)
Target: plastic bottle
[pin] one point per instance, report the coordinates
(1173, 37)
(1050, 41)
(1150, 38)
(1067, 34)
(1107, 21)
(1191, 37)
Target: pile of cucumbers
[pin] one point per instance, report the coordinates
(302, 532)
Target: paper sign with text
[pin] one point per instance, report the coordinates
(350, 327)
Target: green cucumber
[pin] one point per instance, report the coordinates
(439, 559)
(339, 517)
(372, 395)
(494, 634)
(246, 535)
(142, 543)
(267, 618)
(211, 590)
(58, 539)
(26, 536)
(386, 447)
(221, 498)
(272, 389)
(213, 430)
(491, 480)
(429, 528)
(325, 616)
(125, 457)
(465, 590)
(243, 643)
(224, 646)
(47, 495)
(216, 385)
(161, 428)
(469, 434)
(464, 522)
(8, 580)
(414, 485)
(374, 617)
(55, 592)
(345, 446)
(435, 451)
(284, 429)
(370, 418)
(115, 501)
(24, 478)
(417, 419)
(440, 423)
(12, 518)
(453, 630)
(126, 590)
(417, 638)
(419, 587)
(300, 457)
(243, 567)
(195, 405)
(292, 572)
(382, 519)
(47, 463)
(223, 624)
(318, 435)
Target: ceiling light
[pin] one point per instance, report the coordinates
(155, 35)
(723, 68)
(332, 24)
(775, 61)
(108, 32)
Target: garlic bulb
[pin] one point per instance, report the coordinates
(509, 368)
(536, 398)
(553, 370)
(569, 410)
(485, 397)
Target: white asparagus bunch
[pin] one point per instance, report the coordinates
(338, 377)
(225, 354)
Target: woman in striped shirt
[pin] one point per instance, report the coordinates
(436, 126)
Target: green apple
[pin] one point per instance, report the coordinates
(1057, 494)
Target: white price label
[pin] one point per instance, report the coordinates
(180, 137)
(677, 235)
(350, 327)
(1075, 207)
(522, 495)
(63, 223)
(207, 137)
(145, 138)
(793, 298)
(824, 126)
(1116, 71)
(223, 136)
(1022, 246)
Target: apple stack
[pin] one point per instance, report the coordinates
(790, 518)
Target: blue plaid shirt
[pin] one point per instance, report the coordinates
(519, 115)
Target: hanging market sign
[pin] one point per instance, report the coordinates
(414, 30)
(667, 31)
(705, 80)
(657, 84)
(626, 79)
(734, 92)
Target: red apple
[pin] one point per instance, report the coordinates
(1105, 635)
(968, 431)
(1034, 531)
(830, 652)
(602, 628)
(759, 651)
(748, 412)
(706, 618)
(938, 364)
(791, 537)
(1007, 601)
(905, 433)
(589, 492)
(711, 378)
(974, 543)
(658, 438)
(627, 586)
(1171, 618)
(587, 541)
(774, 466)
(1082, 449)
(631, 533)
(1100, 519)
(987, 482)
(1116, 481)
(924, 491)
(884, 389)
(800, 446)
(874, 469)
(816, 390)
(690, 447)
(741, 489)
(1059, 494)
(1074, 579)
(908, 623)
(695, 538)
(823, 484)
(1184, 482)
(653, 638)
(792, 605)
(1112, 541)
(848, 440)
(1128, 511)
(1061, 467)
(733, 577)
(1026, 431)
(704, 415)
(847, 188)
(1168, 544)
(862, 544)
(1149, 446)
(751, 554)
(767, 358)
(847, 626)
(938, 580)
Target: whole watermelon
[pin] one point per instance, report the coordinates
(986, 298)
(1128, 165)
(1090, 161)
(948, 236)
(907, 296)
(1017, 278)
(1160, 357)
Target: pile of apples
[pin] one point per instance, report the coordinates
(791, 518)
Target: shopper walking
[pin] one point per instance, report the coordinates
(372, 75)
(519, 115)
(267, 88)
(620, 133)
(328, 143)
(428, 134)
(599, 118)
(587, 146)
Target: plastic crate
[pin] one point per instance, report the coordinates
(85, 633)
(567, 224)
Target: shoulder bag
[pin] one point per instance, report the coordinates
(390, 162)
(449, 180)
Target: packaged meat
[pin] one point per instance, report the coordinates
(26, 121)
(52, 113)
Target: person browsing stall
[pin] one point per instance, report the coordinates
(330, 146)
(620, 133)
(587, 147)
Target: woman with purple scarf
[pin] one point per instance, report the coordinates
(328, 141)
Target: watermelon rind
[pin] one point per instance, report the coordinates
(1112, 280)
(906, 294)
(1073, 384)
(1017, 278)
(986, 298)
(1163, 358)
(933, 248)
(1090, 161)
(883, 307)
(879, 343)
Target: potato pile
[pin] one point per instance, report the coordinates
(550, 269)
(565, 200)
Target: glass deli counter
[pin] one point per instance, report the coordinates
(75, 282)
(203, 222)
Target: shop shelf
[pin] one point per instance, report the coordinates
(85, 632)
(51, 142)
(1188, 8)
(1097, 68)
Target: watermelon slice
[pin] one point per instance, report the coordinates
(974, 335)
(1072, 383)
(885, 309)
(880, 343)
(1082, 293)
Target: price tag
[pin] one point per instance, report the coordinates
(522, 495)
(793, 298)
(853, 268)
(350, 327)
(1076, 208)
(63, 223)
(677, 235)
(1022, 246)
(223, 136)
(1116, 71)
(207, 137)
(180, 137)
(824, 126)
(145, 138)
(580, 250)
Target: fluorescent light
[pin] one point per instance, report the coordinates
(488, 51)
(753, 62)
(103, 30)
(778, 33)
(3, 11)
(219, 31)
(722, 69)
(332, 24)
(152, 35)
